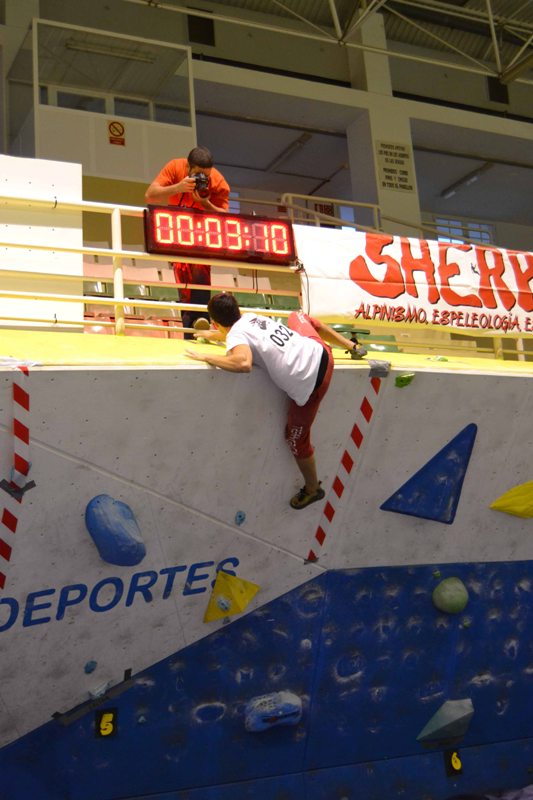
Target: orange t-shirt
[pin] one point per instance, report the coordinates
(178, 169)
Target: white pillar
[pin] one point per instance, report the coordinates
(18, 16)
(382, 166)
(369, 71)
(379, 141)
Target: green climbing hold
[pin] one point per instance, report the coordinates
(404, 380)
(450, 595)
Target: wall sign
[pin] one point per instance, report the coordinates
(116, 132)
(395, 166)
(375, 278)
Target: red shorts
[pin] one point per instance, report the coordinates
(300, 418)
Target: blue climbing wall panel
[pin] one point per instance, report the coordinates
(372, 659)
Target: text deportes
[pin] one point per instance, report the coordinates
(108, 593)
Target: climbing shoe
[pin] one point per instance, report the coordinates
(303, 499)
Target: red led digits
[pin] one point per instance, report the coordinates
(185, 230)
(280, 245)
(213, 232)
(163, 232)
(245, 237)
(260, 237)
(233, 234)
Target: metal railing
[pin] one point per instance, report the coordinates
(118, 254)
(120, 321)
(298, 210)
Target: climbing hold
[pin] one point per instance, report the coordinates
(378, 369)
(437, 358)
(201, 324)
(435, 490)
(449, 724)
(230, 596)
(404, 379)
(450, 595)
(90, 666)
(99, 691)
(436, 573)
(357, 353)
(270, 710)
(141, 720)
(240, 516)
(518, 501)
(114, 530)
(224, 603)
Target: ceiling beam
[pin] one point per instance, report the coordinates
(335, 18)
(302, 19)
(511, 74)
(446, 10)
(439, 39)
(494, 37)
(371, 8)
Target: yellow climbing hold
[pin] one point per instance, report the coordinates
(517, 501)
(230, 596)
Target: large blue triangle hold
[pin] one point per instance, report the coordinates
(434, 491)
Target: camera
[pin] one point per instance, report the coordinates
(201, 184)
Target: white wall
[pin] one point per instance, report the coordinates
(517, 237)
(49, 181)
(68, 135)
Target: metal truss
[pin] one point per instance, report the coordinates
(423, 15)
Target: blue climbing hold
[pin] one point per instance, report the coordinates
(269, 710)
(240, 516)
(90, 666)
(114, 530)
(435, 490)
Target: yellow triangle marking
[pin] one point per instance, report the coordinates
(230, 595)
(517, 501)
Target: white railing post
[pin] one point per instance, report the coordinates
(118, 275)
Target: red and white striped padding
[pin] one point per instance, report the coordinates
(346, 467)
(21, 467)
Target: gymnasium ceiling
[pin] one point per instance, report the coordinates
(493, 173)
(262, 141)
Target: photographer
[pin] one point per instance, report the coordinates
(191, 182)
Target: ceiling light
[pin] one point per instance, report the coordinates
(292, 148)
(467, 180)
(115, 52)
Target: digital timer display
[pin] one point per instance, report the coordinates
(183, 232)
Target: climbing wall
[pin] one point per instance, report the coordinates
(371, 659)
(140, 486)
